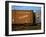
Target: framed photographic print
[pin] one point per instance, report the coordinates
(24, 18)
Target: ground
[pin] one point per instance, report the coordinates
(25, 27)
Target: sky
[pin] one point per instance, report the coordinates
(35, 9)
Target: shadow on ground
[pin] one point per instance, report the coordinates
(18, 27)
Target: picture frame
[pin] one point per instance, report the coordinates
(18, 6)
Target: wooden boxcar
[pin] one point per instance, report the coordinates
(22, 17)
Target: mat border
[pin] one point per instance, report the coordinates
(7, 19)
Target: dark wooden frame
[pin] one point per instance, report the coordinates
(7, 18)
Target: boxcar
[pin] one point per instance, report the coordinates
(22, 17)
